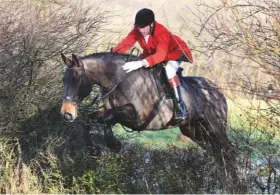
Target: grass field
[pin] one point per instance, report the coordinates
(156, 139)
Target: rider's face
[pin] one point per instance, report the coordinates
(145, 31)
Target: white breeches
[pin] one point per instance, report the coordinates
(171, 68)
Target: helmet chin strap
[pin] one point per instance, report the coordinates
(152, 26)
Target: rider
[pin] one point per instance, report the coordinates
(159, 45)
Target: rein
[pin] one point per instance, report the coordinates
(119, 82)
(109, 92)
(94, 101)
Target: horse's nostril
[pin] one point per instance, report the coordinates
(68, 116)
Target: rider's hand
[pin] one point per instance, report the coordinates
(130, 66)
(134, 65)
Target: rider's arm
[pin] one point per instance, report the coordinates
(127, 42)
(161, 49)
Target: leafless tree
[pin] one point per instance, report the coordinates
(33, 33)
(242, 38)
(244, 35)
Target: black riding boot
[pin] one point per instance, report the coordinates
(180, 107)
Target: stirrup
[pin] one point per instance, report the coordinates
(180, 112)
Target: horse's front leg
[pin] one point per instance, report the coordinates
(102, 115)
(111, 141)
(125, 115)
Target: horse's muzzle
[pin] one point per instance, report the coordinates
(69, 111)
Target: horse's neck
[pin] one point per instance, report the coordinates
(102, 73)
(140, 82)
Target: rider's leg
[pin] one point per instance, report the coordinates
(174, 82)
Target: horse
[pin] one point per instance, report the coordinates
(136, 101)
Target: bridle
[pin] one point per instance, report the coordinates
(79, 99)
(94, 101)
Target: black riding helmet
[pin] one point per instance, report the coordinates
(144, 17)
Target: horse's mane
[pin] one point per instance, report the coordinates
(111, 56)
(124, 56)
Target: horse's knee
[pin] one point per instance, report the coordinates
(108, 117)
(98, 113)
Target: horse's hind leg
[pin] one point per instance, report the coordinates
(222, 147)
(219, 144)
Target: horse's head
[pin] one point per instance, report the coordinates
(76, 87)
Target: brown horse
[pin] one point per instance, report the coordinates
(135, 100)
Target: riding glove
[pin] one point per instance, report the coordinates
(130, 66)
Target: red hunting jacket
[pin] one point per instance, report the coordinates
(162, 45)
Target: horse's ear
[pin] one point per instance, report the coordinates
(66, 60)
(76, 61)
